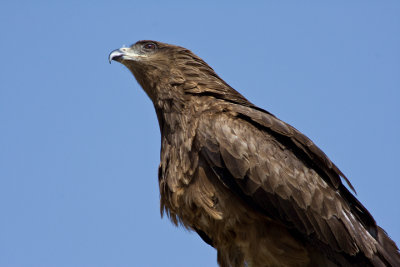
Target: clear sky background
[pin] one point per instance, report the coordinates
(79, 139)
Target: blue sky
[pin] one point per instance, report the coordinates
(79, 139)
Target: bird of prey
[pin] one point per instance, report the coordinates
(252, 186)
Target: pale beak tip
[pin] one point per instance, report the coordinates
(115, 55)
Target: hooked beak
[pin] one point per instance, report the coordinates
(125, 54)
(117, 55)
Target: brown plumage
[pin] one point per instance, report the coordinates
(249, 184)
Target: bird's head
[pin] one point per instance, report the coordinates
(143, 55)
(147, 60)
(160, 67)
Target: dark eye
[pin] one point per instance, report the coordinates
(149, 46)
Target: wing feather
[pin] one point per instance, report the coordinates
(271, 177)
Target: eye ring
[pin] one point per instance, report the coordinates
(149, 46)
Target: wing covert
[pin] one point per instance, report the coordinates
(268, 175)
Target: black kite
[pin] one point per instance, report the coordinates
(249, 184)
